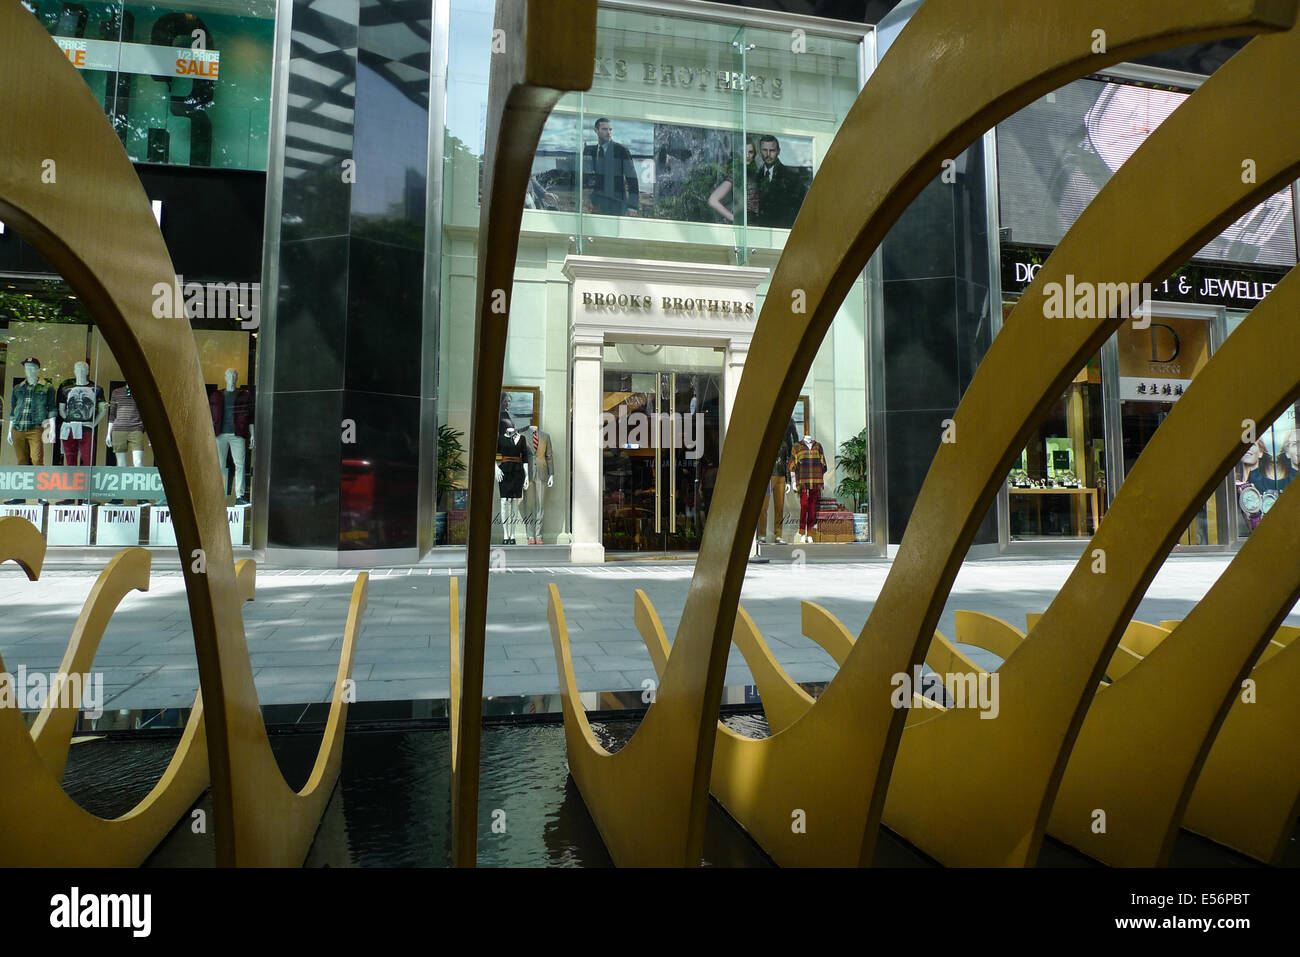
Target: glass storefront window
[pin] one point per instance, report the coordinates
(1269, 465)
(683, 165)
(77, 460)
(182, 87)
(1057, 489)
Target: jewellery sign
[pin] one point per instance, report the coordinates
(140, 58)
(1217, 285)
(1158, 363)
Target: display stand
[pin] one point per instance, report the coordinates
(68, 525)
(33, 513)
(117, 525)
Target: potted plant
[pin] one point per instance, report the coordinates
(451, 462)
(852, 465)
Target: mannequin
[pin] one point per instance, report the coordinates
(232, 421)
(31, 413)
(512, 480)
(543, 475)
(82, 407)
(807, 471)
(778, 486)
(125, 423)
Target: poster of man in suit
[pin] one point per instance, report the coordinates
(608, 174)
(781, 188)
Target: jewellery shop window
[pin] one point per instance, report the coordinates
(76, 459)
(1057, 488)
(1269, 465)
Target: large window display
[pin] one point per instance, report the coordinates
(1268, 465)
(652, 193)
(188, 85)
(77, 460)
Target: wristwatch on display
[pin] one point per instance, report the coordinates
(1252, 504)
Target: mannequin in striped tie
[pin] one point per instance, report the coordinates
(543, 472)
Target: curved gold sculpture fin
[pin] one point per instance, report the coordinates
(126, 571)
(837, 758)
(1248, 793)
(1145, 739)
(22, 542)
(95, 226)
(820, 626)
(551, 50)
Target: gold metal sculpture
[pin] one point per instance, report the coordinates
(78, 201)
(548, 48)
(833, 765)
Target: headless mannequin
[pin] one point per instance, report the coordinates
(538, 444)
(806, 525)
(510, 497)
(137, 455)
(227, 440)
(73, 434)
(31, 447)
(32, 370)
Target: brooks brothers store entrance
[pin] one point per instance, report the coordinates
(660, 201)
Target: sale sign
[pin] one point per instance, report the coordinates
(140, 58)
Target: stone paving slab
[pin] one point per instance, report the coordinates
(295, 625)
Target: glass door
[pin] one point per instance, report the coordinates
(661, 437)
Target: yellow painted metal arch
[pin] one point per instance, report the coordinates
(21, 542)
(1145, 739)
(826, 630)
(985, 631)
(94, 225)
(1248, 793)
(998, 66)
(550, 49)
(126, 571)
(1045, 686)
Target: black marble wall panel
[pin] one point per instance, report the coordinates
(348, 343)
(935, 266)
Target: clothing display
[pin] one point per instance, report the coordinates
(808, 463)
(29, 446)
(123, 413)
(238, 449)
(510, 457)
(808, 470)
(30, 406)
(776, 493)
(133, 441)
(79, 404)
(776, 487)
(809, 496)
(233, 417)
(542, 467)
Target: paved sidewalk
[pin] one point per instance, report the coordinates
(296, 624)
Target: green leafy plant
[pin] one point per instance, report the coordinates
(852, 465)
(451, 458)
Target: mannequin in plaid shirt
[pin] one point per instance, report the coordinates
(807, 471)
(31, 410)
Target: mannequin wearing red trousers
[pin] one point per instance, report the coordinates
(807, 472)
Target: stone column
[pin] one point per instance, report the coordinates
(586, 446)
